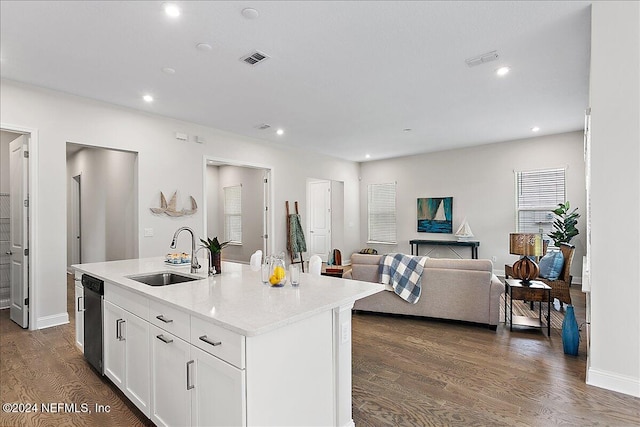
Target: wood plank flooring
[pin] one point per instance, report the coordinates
(416, 372)
(406, 372)
(45, 367)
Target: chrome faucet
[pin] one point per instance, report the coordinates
(194, 261)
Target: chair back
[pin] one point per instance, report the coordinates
(315, 265)
(567, 252)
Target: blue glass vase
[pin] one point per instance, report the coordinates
(570, 332)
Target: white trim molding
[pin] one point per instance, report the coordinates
(53, 320)
(613, 381)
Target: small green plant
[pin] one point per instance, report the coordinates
(564, 226)
(213, 245)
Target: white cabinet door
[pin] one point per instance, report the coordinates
(79, 316)
(218, 391)
(113, 343)
(137, 382)
(171, 401)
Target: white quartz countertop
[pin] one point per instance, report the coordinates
(236, 299)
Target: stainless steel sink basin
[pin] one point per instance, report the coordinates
(163, 278)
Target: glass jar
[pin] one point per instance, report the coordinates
(278, 275)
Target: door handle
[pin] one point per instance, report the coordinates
(189, 384)
(9, 253)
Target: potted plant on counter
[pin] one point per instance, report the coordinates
(215, 251)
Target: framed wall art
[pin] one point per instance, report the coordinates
(435, 215)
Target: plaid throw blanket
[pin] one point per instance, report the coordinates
(403, 273)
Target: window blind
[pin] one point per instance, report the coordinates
(538, 193)
(233, 214)
(381, 209)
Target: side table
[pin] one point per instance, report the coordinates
(535, 291)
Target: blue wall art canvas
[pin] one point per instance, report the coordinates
(435, 215)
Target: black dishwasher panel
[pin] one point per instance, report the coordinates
(93, 295)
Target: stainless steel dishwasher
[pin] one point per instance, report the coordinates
(93, 296)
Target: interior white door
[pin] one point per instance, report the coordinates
(18, 234)
(319, 208)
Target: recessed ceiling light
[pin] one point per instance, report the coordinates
(148, 98)
(250, 13)
(280, 132)
(168, 70)
(171, 9)
(535, 129)
(367, 156)
(204, 47)
(502, 71)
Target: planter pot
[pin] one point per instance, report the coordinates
(214, 263)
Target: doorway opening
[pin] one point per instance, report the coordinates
(237, 201)
(14, 225)
(102, 204)
(325, 216)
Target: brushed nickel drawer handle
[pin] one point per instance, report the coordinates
(189, 384)
(163, 339)
(119, 323)
(164, 319)
(208, 341)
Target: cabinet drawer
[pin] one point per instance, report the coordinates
(170, 319)
(218, 341)
(130, 301)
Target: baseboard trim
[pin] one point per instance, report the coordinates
(614, 382)
(54, 320)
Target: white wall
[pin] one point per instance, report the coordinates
(109, 204)
(164, 163)
(615, 194)
(337, 219)
(482, 184)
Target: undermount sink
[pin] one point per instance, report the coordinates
(162, 278)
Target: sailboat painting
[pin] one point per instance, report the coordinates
(435, 215)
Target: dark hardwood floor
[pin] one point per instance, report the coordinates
(406, 372)
(415, 372)
(45, 367)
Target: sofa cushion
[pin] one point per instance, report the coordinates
(551, 265)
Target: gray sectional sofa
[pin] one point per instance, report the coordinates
(455, 289)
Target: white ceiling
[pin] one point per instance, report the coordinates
(343, 78)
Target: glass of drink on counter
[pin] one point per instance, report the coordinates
(294, 275)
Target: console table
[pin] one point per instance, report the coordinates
(474, 245)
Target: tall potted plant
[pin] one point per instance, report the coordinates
(215, 251)
(564, 226)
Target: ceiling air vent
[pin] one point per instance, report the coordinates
(254, 58)
(263, 126)
(481, 59)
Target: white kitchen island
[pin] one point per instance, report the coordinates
(229, 350)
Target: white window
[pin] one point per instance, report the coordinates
(537, 194)
(233, 214)
(382, 213)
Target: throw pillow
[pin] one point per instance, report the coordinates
(551, 265)
(369, 251)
